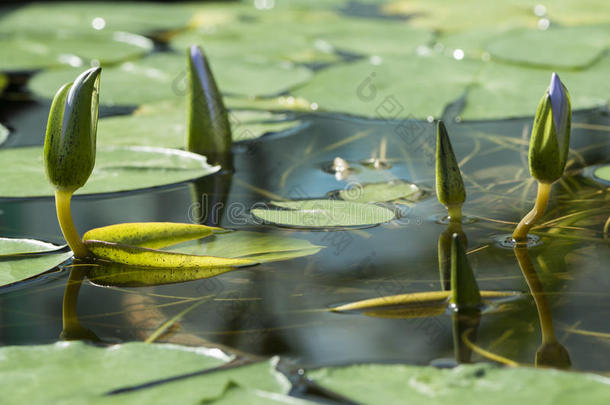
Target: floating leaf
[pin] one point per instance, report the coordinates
(384, 87)
(464, 384)
(257, 246)
(19, 259)
(413, 305)
(29, 52)
(119, 275)
(556, 48)
(3, 132)
(76, 372)
(382, 192)
(70, 18)
(324, 213)
(603, 173)
(153, 235)
(116, 169)
(144, 257)
(162, 76)
(164, 125)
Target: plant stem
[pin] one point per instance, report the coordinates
(455, 213)
(542, 199)
(64, 216)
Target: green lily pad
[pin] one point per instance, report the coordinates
(368, 37)
(19, 259)
(162, 77)
(28, 52)
(75, 372)
(382, 192)
(465, 384)
(384, 87)
(503, 91)
(602, 173)
(3, 133)
(164, 125)
(556, 47)
(256, 246)
(84, 18)
(116, 169)
(324, 213)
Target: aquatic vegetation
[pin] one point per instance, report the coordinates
(548, 153)
(450, 189)
(465, 295)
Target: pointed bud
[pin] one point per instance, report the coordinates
(550, 140)
(69, 146)
(449, 184)
(209, 130)
(464, 289)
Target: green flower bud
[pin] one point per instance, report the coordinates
(550, 140)
(450, 189)
(69, 147)
(209, 130)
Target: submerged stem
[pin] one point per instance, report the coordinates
(542, 199)
(455, 213)
(64, 216)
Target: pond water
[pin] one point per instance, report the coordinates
(280, 307)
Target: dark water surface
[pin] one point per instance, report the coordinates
(278, 308)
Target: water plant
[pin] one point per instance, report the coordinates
(450, 189)
(69, 148)
(548, 151)
(208, 127)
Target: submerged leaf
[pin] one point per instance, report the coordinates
(77, 372)
(413, 305)
(144, 257)
(324, 213)
(153, 235)
(117, 169)
(21, 259)
(465, 384)
(120, 275)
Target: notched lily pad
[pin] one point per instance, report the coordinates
(324, 213)
(21, 259)
(93, 372)
(116, 169)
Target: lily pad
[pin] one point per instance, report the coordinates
(465, 384)
(503, 91)
(324, 213)
(164, 125)
(116, 169)
(75, 372)
(27, 52)
(390, 87)
(162, 76)
(556, 47)
(256, 246)
(382, 192)
(90, 17)
(21, 259)
(3, 133)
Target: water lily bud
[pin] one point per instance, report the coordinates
(69, 147)
(209, 130)
(450, 189)
(550, 140)
(465, 293)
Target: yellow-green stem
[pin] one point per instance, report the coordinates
(542, 199)
(455, 213)
(64, 216)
